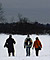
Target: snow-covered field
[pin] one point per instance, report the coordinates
(20, 51)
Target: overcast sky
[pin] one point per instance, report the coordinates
(34, 10)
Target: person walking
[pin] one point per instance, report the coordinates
(10, 45)
(37, 44)
(28, 45)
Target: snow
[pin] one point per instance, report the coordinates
(20, 53)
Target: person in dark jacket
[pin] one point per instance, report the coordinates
(28, 45)
(10, 45)
(37, 44)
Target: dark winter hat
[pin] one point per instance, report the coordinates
(37, 38)
(27, 35)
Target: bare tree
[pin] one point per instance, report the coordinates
(19, 16)
(23, 19)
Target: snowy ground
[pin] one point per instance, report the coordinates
(20, 51)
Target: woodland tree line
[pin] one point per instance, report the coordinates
(24, 28)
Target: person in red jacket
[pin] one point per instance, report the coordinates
(37, 45)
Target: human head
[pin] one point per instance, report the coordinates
(37, 38)
(28, 35)
(10, 36)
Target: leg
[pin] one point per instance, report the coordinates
(36, 51)
(26, 51)
(13, 54)
(9, 53)
(29, 51)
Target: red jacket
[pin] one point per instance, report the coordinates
(37, 43)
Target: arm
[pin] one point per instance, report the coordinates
(33, 45)
(14, 41)
(40, 44)
(24, 44)
(5, 45)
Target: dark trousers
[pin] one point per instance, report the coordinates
(27, 51)
(37, 51)
(10, 53)
(10, 50)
